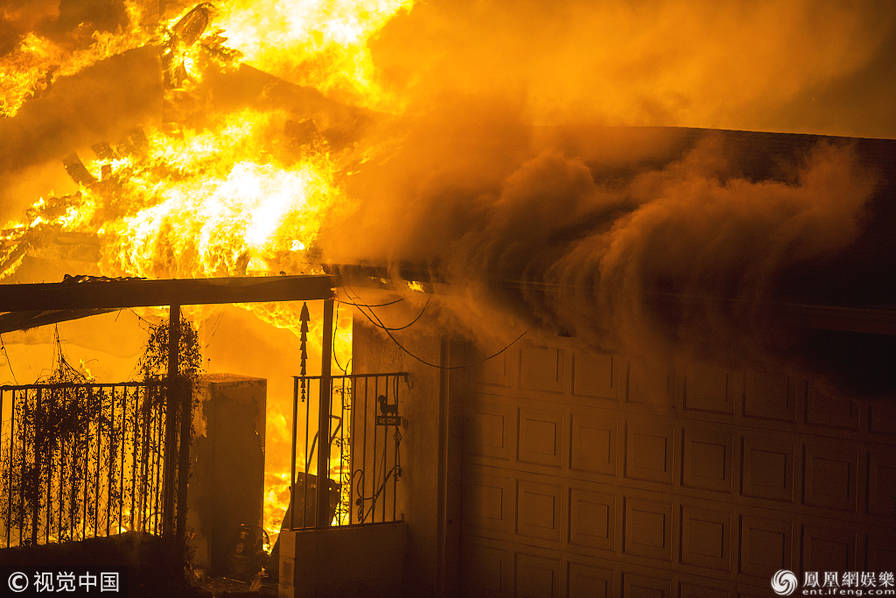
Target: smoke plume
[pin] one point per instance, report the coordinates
(511, 182)
(670, 247)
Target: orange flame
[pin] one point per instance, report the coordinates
(320, 43)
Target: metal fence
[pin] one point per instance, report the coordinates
(81, 460)
(361, 458)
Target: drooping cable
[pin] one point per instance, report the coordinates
(8, 361)
(386, 304)
(377, 322)
(335, 356)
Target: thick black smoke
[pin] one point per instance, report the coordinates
(672, 246)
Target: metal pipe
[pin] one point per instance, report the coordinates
(307, 460)
(375, 494)
(292, 468)
(171, 415)
(133, 484)
(183, 468)
(395, 471)
(99, 450)
(111, 461)
(362, 512)
(323, 417)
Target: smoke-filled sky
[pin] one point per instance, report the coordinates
(793, 65)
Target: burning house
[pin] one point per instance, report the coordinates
(456, 299)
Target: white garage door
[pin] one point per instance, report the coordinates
(585, 476)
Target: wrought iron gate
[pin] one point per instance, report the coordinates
(82, 460)
(361, 458)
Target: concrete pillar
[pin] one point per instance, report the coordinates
(226, 487)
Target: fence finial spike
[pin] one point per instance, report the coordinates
(304, 317)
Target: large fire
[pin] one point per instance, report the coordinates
(211, 192)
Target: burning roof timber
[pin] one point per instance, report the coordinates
(37, 304)
(88, 293)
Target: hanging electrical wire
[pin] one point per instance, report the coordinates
(344, 370)
(377, 322)
(8, 361)
(386, 304)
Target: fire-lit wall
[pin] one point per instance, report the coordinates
(421, 448)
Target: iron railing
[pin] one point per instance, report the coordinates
(81, 460)
(363, 464)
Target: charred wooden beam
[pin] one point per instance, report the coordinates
(113, 294)
(25, 320)
(76, 169)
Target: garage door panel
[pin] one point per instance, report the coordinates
(829, 548)
(588, 581)
(649, 444)
(831, 475)
(595, 438)
(831, 411)
(544, 369)
(713, 389)
(537, 576)
(882, 482)
(881, 549)
(706, 537)
(539, 510)
(490, 428)
(487, 571)
(882, 418)
(499, 372)
(592, 519)
(597, 375)
(489, 500)
(648, 384)
(708, 458)
(541, 436)
(766, 545)
(648, 528)
(767, 467)
(769, 395)
(643, 586)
